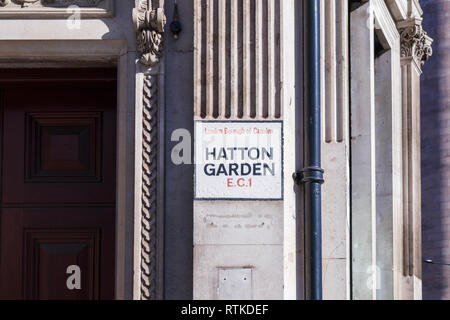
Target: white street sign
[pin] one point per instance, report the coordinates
(238, 160)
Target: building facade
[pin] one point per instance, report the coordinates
(159, 149)
(435, 155)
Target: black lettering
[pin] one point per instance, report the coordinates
(267, 153)
(242, 150)
(234, 169)
(231, 153)
(213, 154)
(269, 169)
(257, 169)
(253, 150)
(249, 169)
(222, 154)
(221, 170)
(209, 170)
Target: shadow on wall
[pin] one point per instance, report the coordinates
(435, 136)
(179, 110)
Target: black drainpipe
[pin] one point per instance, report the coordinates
(312, 175)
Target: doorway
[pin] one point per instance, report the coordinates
(58, 183)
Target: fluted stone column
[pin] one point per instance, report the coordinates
(415, 50)
(385, 131)
(335, 149)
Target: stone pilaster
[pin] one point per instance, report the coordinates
(415, 50)
(149, 21)
(335, 148)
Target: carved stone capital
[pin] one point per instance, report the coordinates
(149, 22)
(415, 43)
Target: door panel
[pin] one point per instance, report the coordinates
(48, 253)
(51, 144)
(58, 185)
(62, 147)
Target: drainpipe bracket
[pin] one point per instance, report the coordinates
(309, 175)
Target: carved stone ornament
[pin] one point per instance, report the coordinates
(149, 188)
(149, 22)
(415, 43)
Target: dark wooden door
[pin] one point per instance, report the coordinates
(57, 196)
